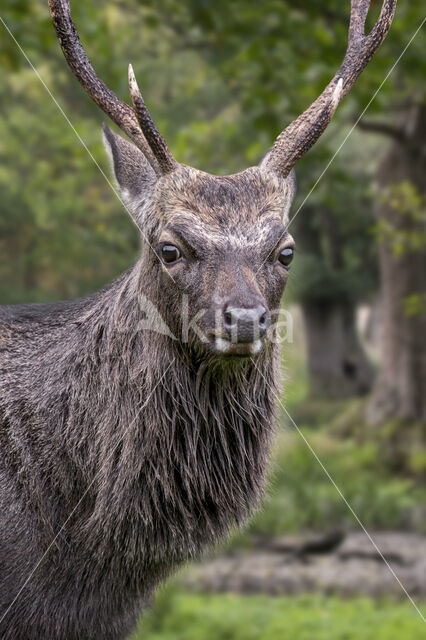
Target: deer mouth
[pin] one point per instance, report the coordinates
(225, 347)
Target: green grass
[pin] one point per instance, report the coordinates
(187, 616)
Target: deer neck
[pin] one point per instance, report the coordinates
(181, 443)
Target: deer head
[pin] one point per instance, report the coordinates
(221, 241)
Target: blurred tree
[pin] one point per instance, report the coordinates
(337, 269)
(401, 212)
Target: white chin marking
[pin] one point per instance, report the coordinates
(256, 346)
(222, 345)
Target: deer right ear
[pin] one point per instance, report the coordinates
(133, 174)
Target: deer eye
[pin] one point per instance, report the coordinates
(170, 253)
(286, 256)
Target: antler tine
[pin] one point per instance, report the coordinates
(359, 12)
(153, 136)
(120, 112)
(303, 132)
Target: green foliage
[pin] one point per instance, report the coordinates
(63, 232)
(401, 443)
(185, 616)
(415, 304)
(60, 232)
(293, 361)
(301, 496)
(405, 230)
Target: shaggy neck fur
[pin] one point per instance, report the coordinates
(171, 453)
(124, 452)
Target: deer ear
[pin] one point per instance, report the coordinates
(133, 174)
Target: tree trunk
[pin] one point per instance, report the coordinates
(400, 391)
(338, 366)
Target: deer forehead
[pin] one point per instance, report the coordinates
(208, 235)
(241, 207)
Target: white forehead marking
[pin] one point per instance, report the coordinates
(239, 238)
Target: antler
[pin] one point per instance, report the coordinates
(152, 135)
(303, 132)
(138, 126)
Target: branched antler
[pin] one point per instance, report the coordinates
(303, 132)
(138, 126)
(290, 145)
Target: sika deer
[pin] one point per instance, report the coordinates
(126, 451)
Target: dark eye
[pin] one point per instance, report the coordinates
(170, 253)
(286, 256)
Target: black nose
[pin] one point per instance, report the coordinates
(245, 324)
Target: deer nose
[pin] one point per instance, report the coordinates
(245, 324)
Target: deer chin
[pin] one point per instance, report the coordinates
(223, 346)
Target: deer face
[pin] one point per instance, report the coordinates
(219, 240)
(220, 243)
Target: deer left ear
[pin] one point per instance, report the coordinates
(133, 174)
